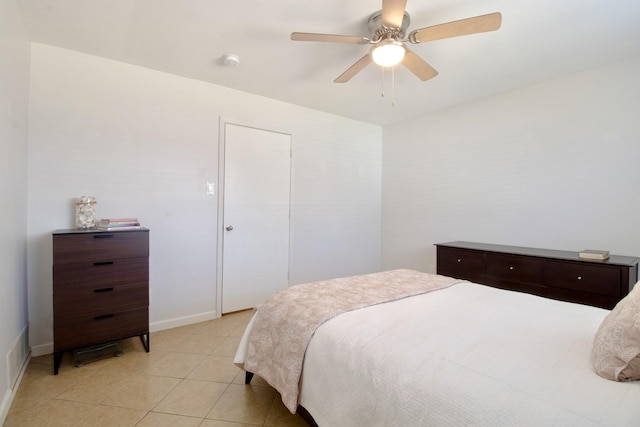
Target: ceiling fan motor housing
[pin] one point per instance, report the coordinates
(380, 32)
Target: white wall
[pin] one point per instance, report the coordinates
(14, 98)
(144, 143)
(553, 165)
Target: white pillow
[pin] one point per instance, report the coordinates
(616, 346)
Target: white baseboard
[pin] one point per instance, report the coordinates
(41, 349)
(5, 404)
(182, 321)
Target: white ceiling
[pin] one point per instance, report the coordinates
(539, 40)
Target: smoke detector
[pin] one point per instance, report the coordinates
(230, 60)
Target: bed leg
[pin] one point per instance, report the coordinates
(248, 376)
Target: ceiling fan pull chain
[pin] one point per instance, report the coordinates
(393, 86)
(382, 81)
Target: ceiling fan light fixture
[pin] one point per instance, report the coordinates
(388, 53)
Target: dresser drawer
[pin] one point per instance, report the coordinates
(584, 277)
(596, 300)
(86, 331)
(513, 268)
(99, 246)
(71, 305)
(461, 264)
(100, 274)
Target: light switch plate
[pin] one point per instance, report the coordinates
(211, 187)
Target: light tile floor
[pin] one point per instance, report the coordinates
(188, 379)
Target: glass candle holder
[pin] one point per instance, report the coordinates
(85, 212)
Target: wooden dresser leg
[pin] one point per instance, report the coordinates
(57, 358)
(146, 342)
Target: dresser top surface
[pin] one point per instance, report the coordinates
(536, 252)
(95, 230)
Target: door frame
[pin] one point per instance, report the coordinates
(220, 211)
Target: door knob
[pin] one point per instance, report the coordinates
(229, 227)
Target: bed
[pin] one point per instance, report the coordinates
(447, 352)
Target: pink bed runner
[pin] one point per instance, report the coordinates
(284, 325)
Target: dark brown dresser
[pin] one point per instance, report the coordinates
(100, 288)
(554, 274)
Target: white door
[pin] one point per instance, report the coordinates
(257, 168)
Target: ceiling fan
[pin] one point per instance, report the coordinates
(388, 29)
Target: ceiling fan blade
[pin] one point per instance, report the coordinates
(393, 13)
(463, 27)
(354, 69)
(418, 66)
(314, 37)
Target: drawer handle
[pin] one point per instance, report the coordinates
(103, 290)
(459, 260)
(511, 268)
(103, 263)
(102, 236)
(579, 277)
(103, 316)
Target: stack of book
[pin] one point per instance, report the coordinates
(591, 254)
(113, 224)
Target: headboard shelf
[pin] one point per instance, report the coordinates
(561, 275)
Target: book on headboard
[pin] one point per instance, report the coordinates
(594, 254)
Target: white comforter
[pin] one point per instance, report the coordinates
(465, 355)
(286, 322)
